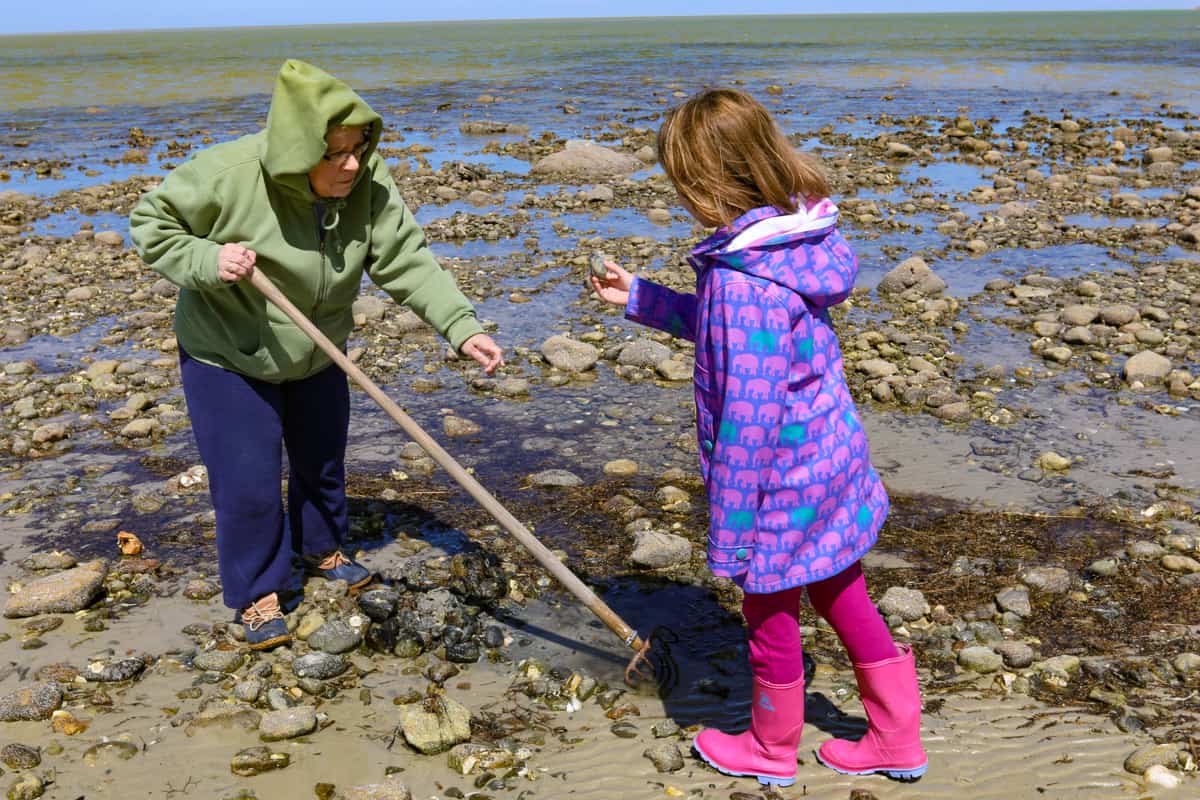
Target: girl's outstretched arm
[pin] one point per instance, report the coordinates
(647, 302)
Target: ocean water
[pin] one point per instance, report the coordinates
(74, 97)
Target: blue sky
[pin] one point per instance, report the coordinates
(89, 15)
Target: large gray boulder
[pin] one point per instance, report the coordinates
(583, 157)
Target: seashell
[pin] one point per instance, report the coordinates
(129, 543)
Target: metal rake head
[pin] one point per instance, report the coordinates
(653, 663)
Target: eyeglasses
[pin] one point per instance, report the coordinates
(341, 158)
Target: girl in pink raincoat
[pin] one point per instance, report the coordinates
(793, 499)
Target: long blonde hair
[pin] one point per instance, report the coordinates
(725, 155)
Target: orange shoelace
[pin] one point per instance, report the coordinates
(334, 559)
(262, 612)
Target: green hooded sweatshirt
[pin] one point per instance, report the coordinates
(254, 191)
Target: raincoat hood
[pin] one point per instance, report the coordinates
(306, 103)
(759, 242)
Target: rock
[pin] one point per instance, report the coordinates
(125, 669)
(1052, 580)
(980, 659)
(659, 216)
(369, 307)
(105, 753)
(1158, 775)
(1053, 462)
(646, 154)
(1186, 663)
(1104, 567)
(436, 725)
(1023, 291)
(1118, 315)
(336, 636)
(139, 428)
(877, 367)
(224, 717)
(555, 477)
(219, 660)
(1146, 367)
(512, 387)
(20, 756)
(459, 426)
(200, 590)
(1016, 655)
(598, 194)
(569, 355)
(665, 756)
(621, 468)
(587, 158)
(467, 758)
(248, 691)
(26, 787)
(321, 666)
(485, 127)
(911, 273)
(379, 604)
(50, 432)
(110, 239)
(256, 760)
(309, 624)
(674, 369)
(59, 594)
(1016, 600)
(665, 728)
(908, 604)
(954, 412)
(54, 559)
(895, 150)
(36, 702)
(1178, 563)
(1079, 314)
(657, 549)
(643, 353)
(1143, 550)
(287, 723)
(1140, 760)
(391, 789)
(1158, 155)
(1012, 209)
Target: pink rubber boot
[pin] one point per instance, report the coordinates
(892, 744)
(768, 750)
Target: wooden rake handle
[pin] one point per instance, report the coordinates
(510, 523)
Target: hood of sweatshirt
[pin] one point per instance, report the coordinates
(306, 103)
(802, 251)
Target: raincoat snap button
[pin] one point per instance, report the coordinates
(741, 553)
(708, 445)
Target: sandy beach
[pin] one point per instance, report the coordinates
(1023, 344)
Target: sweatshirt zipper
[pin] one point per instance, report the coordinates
(319, 213)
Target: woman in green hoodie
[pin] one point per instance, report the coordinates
(309, 202)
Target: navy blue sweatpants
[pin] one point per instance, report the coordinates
(241, 426)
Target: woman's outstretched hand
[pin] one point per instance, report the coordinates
(614, 287)
(481, 348)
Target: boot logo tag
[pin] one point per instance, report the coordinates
(765, 702)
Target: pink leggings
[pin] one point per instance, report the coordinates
(773, 620)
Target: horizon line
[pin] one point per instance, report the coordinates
(95, 31)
